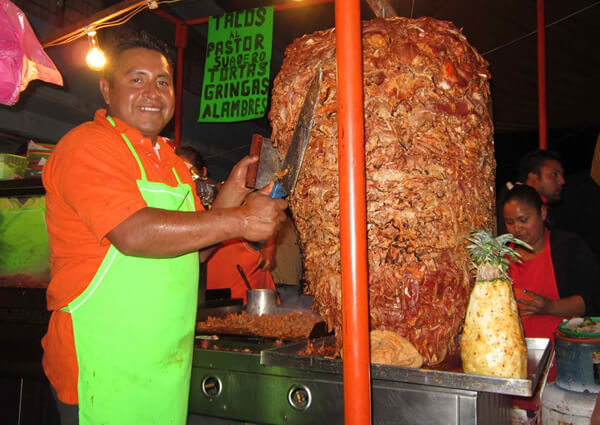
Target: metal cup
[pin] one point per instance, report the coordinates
(261, 301)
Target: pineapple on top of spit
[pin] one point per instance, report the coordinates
(492, 341)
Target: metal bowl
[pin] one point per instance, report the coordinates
(261, 301)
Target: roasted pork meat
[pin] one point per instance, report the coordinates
(429, 173)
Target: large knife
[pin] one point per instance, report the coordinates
(286, 175)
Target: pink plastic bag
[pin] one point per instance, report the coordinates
(22, 58)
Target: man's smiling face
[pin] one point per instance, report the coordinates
(141, 93)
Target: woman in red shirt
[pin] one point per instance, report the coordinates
(554, 279)
(552, 282)
(541, 306)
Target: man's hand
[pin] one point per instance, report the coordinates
(237, 212)
(266, 260)
(263, 216)
(234, 190)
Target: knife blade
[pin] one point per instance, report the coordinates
(295, 153)
(269, 167)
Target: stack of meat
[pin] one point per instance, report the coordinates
(429, 168)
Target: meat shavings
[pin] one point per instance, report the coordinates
(293, 325)
(319, 350)
(430, 168)
(281, 173)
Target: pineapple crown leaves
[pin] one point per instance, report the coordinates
(487, 249)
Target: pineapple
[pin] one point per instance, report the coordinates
(492, 341)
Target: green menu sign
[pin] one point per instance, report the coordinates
(238, 61)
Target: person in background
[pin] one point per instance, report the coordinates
(579, 209)
(555, 280)
(255, 260)
(126, 231)
(206, 187)
(541, 169)
(558, 277)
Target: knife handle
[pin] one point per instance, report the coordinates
(278, 191)
(255, 148)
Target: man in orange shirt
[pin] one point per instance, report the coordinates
(125, 229)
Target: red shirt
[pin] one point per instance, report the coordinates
(222, 271)
(91, 188)
(537, 275)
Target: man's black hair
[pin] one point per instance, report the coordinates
(532, 162)
(192, 155)
(138, 40)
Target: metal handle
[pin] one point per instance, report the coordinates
(255, 148)
(278, 191)
(244, 278)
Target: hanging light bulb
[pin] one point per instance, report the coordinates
(95, 58)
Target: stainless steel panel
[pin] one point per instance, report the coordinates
(234, 385)
(267, 398)
(493, 409)
(398, 403)
(274, 385)
(538, 352)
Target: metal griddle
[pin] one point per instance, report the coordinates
(276, 385)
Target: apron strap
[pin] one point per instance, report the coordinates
(137, 158)
(176, 176)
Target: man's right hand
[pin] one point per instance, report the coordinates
(234, 190)
(262, 216)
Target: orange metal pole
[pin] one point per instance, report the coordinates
(353, 228)
(541, 68)
(180, 42)
(167, 16)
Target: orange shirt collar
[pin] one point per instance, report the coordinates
(121, 126)
(132, 133)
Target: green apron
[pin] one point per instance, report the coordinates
(134, 328)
